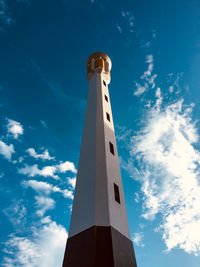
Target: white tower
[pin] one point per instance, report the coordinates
(99, 232)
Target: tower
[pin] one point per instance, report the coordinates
(99, 233)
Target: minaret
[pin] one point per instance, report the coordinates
(99, 233)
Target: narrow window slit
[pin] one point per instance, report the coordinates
(111, 148)
(116, 191)
(107, 116)
(106, 98)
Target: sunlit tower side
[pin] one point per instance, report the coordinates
(99, 231)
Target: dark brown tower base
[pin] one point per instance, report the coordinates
(99, 246)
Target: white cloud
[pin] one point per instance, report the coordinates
(46, 219)
(138, 239)
(46, 171)
(44, 155)
(44, 203)
(137, 197)
(170, 168)
(148, 72)
(66, 166)
(45, 248)
(140, 89)
(158, 93)
(15, 128)
(149, 59)
(159, 98)
(68, 194)
(6, 150)
(45, 188)
(33, 170)
(171, 89)
(72, 182)
(151, 80)
(147, 78)
(41, 187)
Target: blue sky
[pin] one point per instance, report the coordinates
(155, 51)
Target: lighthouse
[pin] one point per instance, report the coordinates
(99, 232)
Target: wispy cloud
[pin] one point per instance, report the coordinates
(15, 128)
(138, 239)
(119, 28)
(41, 187)
(5, 14)
(159, 99)
(44, 248)
(154, 35)
(6, 150)
(57, 88)
(140, 89)
(46, 171)
(45, 188)
(169, 172)
(43, 123)
(129, 17)
(174, 81)
(44, 155)
(16, 213)
(44, 203)
(137, 197)
(147, 78)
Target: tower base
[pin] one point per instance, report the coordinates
(99, 246)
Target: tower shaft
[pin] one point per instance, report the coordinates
(99, 232)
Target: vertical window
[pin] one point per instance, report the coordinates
(116, 192)
(106, 98)
(107, 116)
(111, 148)
(104, 83)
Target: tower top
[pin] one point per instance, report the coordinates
(99, 63)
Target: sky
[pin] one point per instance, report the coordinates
(155, 79)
